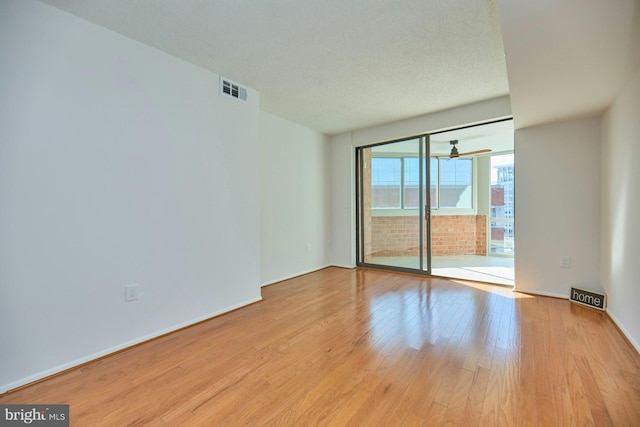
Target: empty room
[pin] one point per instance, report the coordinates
(318, 212)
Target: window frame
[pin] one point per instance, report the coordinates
(436, 210)
(473, 210)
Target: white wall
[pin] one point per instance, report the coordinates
(343, 214)
(295, 199)
(557, 206)
(479, 112)
(118, 164)
(483, 171)
(620, 209)
(343, 161)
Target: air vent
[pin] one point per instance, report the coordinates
(233, 89)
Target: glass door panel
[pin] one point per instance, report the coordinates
(472, 222)
(391, 199)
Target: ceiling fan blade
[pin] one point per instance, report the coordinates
(470, 153)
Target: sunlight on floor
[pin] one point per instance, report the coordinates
(490, 269)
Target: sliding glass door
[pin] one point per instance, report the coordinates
(393, 229)
(451, 216)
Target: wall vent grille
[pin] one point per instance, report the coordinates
(232, 89)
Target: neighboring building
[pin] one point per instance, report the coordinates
(502, 206)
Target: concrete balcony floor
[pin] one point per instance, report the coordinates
(491, 269)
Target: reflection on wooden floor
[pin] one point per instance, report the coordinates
(367, 348)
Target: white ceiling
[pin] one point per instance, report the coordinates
(331, 65)
(568, 58)
(336, 65)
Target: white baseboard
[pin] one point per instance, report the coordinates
(349, 267)
(624, 331)
(43, 374)
(291, 276)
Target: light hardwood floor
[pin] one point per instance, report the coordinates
(367, 348)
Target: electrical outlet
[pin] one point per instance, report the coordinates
(131, 293)
(565, 261)
(308, 247)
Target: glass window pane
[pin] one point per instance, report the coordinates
(456, 177)
(385, 182)
(433, 182)
(502, 189)
(411, 182)
(502, 237)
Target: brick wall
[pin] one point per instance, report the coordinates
(459, 235)
(481, 235)
(395, 235)
(450, 235)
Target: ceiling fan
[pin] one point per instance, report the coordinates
(455, 154)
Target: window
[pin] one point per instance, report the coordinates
(386, 182)
(395, 183)
(502, 204)
(411, 188)
(456, 183)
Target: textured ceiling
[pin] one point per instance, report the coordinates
(331, 65)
